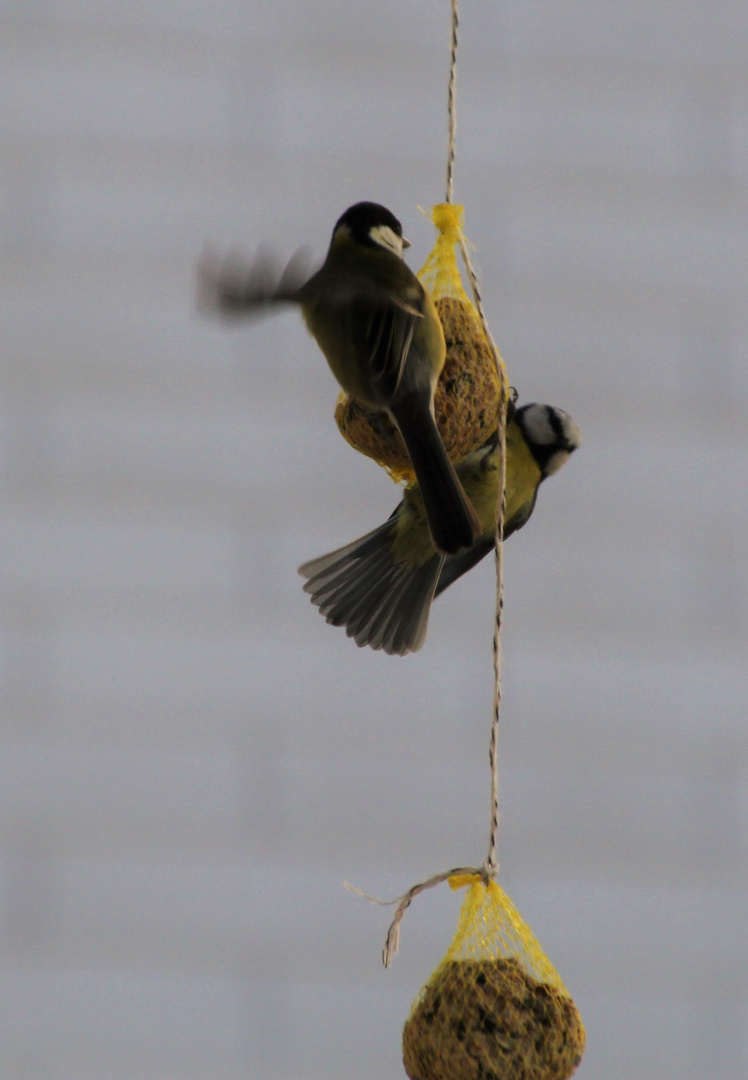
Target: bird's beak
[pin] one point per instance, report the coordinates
(406, 243)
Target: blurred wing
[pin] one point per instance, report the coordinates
(230, 287)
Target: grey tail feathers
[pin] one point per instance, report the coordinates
(380, 603)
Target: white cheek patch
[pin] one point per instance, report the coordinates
(572, 434)
(385, 237)
(550, 432)
(538, 425)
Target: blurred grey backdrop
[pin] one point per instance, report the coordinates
(192, 762)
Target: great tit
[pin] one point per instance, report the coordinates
(380, 587)
(382, 338)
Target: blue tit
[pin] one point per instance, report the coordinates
(380, 587)
(383, 340)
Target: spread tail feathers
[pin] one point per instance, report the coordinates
(380, 602)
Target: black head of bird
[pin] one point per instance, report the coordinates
(381, 335)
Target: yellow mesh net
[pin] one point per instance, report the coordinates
(495, 1008)
(440, 274)
(466, 402)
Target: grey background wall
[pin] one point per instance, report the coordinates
(191, 762)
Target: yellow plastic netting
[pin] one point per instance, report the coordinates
(495, 1008)
(467, 398)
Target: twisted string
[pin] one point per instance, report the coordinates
(490, 866)
(403, 902)
(451, 105)
(491, 863)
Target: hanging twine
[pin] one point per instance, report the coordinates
(488, 870)
(451, 107)
(491, 864)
